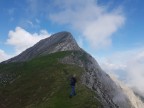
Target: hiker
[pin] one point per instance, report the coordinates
(72, 84)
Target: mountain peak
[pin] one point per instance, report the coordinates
(109, 92)
(61, 41)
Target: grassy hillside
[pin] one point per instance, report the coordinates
(43, 83)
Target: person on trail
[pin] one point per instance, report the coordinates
(72, 84)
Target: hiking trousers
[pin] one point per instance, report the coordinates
(73, 91)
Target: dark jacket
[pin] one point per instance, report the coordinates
(73, 81)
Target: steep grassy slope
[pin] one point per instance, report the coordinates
(43, 83)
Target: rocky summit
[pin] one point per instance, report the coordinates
(39, 78)
(62, 41)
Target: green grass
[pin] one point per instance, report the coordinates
(44, 83)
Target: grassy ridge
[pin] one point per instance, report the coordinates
(44, 83)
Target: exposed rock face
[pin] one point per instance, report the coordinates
(62, 41)
(108, 91)
(135, 101)
(111, 94)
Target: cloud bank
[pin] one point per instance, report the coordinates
(129, 69)
(96, 23)
(4, 55)
(22, 39)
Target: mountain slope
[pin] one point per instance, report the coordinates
(62, 41)
(38, 77)
(109, 93)
(135, 100)
(43, 83)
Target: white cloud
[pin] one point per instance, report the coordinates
(21, 39)
(130, 68)
(4, 55)
(95, 22)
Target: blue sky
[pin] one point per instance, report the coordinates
(110, 30)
